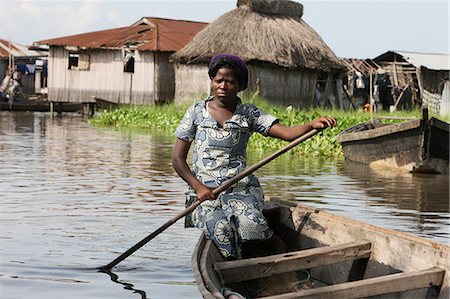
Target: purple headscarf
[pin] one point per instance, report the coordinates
(239, 63)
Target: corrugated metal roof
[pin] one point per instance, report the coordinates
(432, 61)
(148, 34)
(8, 48)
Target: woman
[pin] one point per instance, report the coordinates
(220, 127)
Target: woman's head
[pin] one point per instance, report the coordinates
(232, 62)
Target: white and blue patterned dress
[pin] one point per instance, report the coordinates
(219, 154)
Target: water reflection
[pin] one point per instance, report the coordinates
(127, 286)
(75, 197)
(419, 192)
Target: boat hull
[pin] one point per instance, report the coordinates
(105, 104)
(414, 146)
(332, 273)
(40, 106)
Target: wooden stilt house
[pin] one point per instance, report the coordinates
(127, 65)
(288, 61)
(419, 78)
(29, 63)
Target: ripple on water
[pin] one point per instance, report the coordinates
(74, 197)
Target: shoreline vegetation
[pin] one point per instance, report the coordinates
(164, 119)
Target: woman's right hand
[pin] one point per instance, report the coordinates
(204, 193)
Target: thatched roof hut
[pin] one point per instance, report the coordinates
(269, 35)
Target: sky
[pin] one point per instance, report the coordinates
(352, 29)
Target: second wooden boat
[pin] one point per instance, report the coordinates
(416, 145)
(105, 104)
(328, 257)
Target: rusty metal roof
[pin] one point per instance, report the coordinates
(432, 61)
(147, 34)
(8, 48)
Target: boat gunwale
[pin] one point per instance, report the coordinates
(197, 257)
(366, 226)
(388, 129)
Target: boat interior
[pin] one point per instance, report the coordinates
(324, 260)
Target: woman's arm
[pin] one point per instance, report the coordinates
(292, 132)
(182, 168)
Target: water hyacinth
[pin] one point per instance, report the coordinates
(164, 119)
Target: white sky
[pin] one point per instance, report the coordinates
(352, 29)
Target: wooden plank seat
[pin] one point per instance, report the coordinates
(252, 268)
(387, 284)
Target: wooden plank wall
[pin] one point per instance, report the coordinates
(165, 80)
(286, 87)
(192, 82)
(104, 79)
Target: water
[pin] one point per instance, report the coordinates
(74, 197)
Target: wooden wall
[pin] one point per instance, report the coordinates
(286, 87)
(106, 79)
(282, 86)
(191, 82)
(165, 79)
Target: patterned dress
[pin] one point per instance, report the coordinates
(218, 155)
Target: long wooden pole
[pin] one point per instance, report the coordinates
(227, 184)
(400, 96)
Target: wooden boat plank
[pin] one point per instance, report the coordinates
(210, 280)
(386, 284)
(416, 253)
(304, 228)
(420, 145)
(381, 131)
(247, 269)
(199, 249)
(40, 106)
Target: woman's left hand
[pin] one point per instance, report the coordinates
(323, 122)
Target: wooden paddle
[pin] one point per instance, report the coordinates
(227, 184)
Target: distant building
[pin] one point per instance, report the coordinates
(424, 75)
(127, 65)
(30, 63)
(288, 61)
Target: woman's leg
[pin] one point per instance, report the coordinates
(210, 218)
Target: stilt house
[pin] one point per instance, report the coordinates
(288, 61)
(422, 77)
(127, 65)
(30, 64)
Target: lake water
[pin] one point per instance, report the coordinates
(74, 197)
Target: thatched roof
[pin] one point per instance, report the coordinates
(268, 31)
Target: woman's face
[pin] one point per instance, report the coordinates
(225, 85)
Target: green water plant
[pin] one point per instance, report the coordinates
(164, 119)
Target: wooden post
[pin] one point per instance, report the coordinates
(400, 96)
(419, 81)
(328, 86)
(371, 95)
(340, 91)
(395, 71)
(59, 108)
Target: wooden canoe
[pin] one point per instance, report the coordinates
(328, 256)
(105, 104)
(40, 106)
(417, 145)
